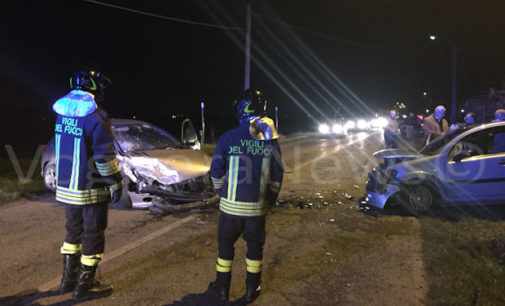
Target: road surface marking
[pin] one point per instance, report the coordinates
(112, 255)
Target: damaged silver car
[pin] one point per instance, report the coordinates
(159, 171)
(465, 167)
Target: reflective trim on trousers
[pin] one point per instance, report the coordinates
(69, 248)
(91, 260)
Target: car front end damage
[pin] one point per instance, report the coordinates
(168, 180)
(384, 180)
(378, 187)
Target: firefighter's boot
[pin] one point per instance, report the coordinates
(221, 286)
(252, 286)
(88, 287)
(71, 264)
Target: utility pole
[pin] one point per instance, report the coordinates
(202, 105)
(454, 87)
(454, 96)
(247, 71)
(276, 118)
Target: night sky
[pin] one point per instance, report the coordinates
(310, 58)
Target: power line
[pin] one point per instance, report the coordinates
(210, 25)
(325, 36)
(344, 41)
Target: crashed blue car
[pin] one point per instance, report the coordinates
(464, 167)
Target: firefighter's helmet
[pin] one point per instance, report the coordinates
(251, 104)
(91, 81)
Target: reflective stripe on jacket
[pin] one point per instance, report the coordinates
(246, 172)
(86, 165)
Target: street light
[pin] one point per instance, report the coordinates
(202, 106)
(454, 89)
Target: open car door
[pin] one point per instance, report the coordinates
(189, 136)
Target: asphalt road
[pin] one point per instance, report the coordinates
(313, 253)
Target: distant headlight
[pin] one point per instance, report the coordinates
(375, 123)
(350, 125)
(362, 124)
(324, 128)
(382, 122)
(337, 128)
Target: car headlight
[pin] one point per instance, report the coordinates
(350, 125)
(382, 122)
(337, 128)
(324, 128)
(362, 124)
(155, 169)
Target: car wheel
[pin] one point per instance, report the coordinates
(420, 198)
(50, 177)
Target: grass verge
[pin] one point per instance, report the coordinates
(11, 187)
(465, 261)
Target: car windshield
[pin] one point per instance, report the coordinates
(434, 147)
(138, 137)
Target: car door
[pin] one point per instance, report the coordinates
(475, 171)
(188, 135)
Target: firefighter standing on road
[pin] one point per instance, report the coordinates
(88, 179)
(247, 173)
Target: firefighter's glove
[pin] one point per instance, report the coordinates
(272, 192)
(116, 191)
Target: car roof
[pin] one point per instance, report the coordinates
(121, 121)
(482, 126)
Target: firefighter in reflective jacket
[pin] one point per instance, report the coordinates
(247, 172)
(88, 179)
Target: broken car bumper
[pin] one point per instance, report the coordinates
(379, 199)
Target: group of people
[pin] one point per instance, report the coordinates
(435, 125)
(246, 171)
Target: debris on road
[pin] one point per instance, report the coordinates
(367, 209)
(347, 196)
(156, 210)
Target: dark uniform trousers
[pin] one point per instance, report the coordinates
(86, 225)
(251, 228)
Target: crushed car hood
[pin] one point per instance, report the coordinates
(169, 166)
(396, 153)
